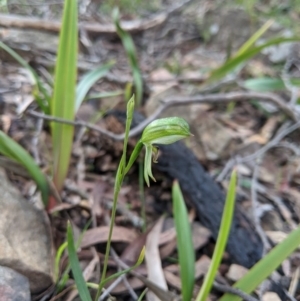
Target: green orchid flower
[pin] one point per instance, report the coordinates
(160, 131)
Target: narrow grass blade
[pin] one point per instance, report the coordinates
(234, 62)
(185, 246)
(222, 239)
(65, 275)
(75, 266)
(264, 268)
(57, 259)
(63, 102)
(142, 295)
(41, 95)
(105, 94)
(13, 150)
(88, 81)
(132, 57)
(252, 40)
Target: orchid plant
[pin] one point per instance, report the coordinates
(160, 131)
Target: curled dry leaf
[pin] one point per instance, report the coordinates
(153, 260)
(100, 235)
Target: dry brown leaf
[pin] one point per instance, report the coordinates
(153, 260)
(202, 266)
(134, 282)
(100, 235)
(200, 235)
(132, 252)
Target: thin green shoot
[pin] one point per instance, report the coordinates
(142, 295)
(142, 195)
(231, 64)
(64, 93)
(58, 256)
(118, 182)
(14, 151)
(254, 38)
(185, 245)
(104, 95)
(75, 265)
(65, 275)
(132, 56)
(264, 268)
(221, 241)
(88, 81)
(40, 93)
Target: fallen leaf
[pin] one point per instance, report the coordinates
(153, 260)
(100, 235)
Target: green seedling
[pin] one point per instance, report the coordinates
(264, 268)
(132, 56)
(246, 52)
(185, 245)
(40, 93)
(227, 217)
(11, 149)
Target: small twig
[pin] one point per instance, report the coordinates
(273, 143)
(231, 290)
(179, 101)
(287, 81)
(258, 228)
(35, 141)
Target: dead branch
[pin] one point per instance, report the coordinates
(54, 26)
(179, 101)
(231, 290)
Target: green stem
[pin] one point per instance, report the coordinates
(118, 183)
(142, 194)
(135, 153)
(111, 226)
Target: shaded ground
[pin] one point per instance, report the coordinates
(174, 55)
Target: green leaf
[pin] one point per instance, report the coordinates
(57, 259)
(41, 95)
(63, 102)
(75, 266)
(104, 94)
(252, 40)
(132, 56)
(88, 81)
(234, 62)
(264, 268)
(227, 217)
(185, 245)
(65, 275)
(266, 84)
(11, 149)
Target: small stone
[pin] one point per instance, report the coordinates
(25, 241)
(236, 272)
(13, 286)
(270, 296)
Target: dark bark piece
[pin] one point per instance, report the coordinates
(179, 162)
